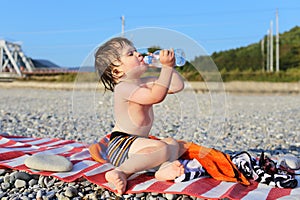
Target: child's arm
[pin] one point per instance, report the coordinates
(176, 84)
(155, 93)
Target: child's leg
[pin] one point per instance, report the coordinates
(145, 154)
(173, 148)
(170, 167)
(118, 179)
(169, 171)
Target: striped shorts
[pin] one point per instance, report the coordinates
(118, 147)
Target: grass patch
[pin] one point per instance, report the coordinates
(292, 75)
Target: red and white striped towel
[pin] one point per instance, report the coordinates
(15, 149)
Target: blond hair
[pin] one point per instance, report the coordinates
(105, 57)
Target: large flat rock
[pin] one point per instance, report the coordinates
(44, 162)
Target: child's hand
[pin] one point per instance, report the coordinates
(167, 57)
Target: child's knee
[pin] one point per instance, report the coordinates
(158, 148)
(171, 142)
(163, 149)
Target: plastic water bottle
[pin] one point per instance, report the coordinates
(154, 58)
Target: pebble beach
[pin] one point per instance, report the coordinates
(231, 122)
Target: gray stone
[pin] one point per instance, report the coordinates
(12, 177)
(41, 181)
(49, 182)
(5, 185)
(62, 197)
(154, 193)
(139, 195)
(184, 197)
(152, 197)
(87, 189)
(50, 194)
(32, 182)
(59, 184)
(170, 196)
(85, 183)
(80, 194)
(2, 172)
(39, 194)
(23, 176)
(20, 183)
(45, 162)
(71, 191)
(2, 194)
(6, 178)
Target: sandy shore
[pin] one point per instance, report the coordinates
(247, 117)
(232, 87)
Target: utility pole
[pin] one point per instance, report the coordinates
(271, 46)
(277, 42)
(268, 50)
(123, 25)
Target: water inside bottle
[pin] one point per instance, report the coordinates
(154, 58)
(179, 57)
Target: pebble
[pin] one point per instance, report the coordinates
(39, 194)
(251, 122)
(71, 191)
(41, 181)
(170, 196)
(48, 182)
(5, 186)
(46, 162)
(2, 171)
(20, 183)
(23, 176)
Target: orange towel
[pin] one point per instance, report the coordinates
(216, 163)
(98, 150)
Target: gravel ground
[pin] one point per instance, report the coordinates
(228, 122)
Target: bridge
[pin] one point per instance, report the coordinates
(14, 63)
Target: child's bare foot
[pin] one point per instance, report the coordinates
(169, 171)
(118, 179)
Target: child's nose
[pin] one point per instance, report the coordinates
(138, 54)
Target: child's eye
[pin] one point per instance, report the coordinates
(131, 53)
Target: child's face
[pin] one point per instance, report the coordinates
(131, 60)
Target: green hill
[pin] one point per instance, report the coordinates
(252, 58)
(290, 49)
(249, 63)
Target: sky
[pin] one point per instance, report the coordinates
(66, 32)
